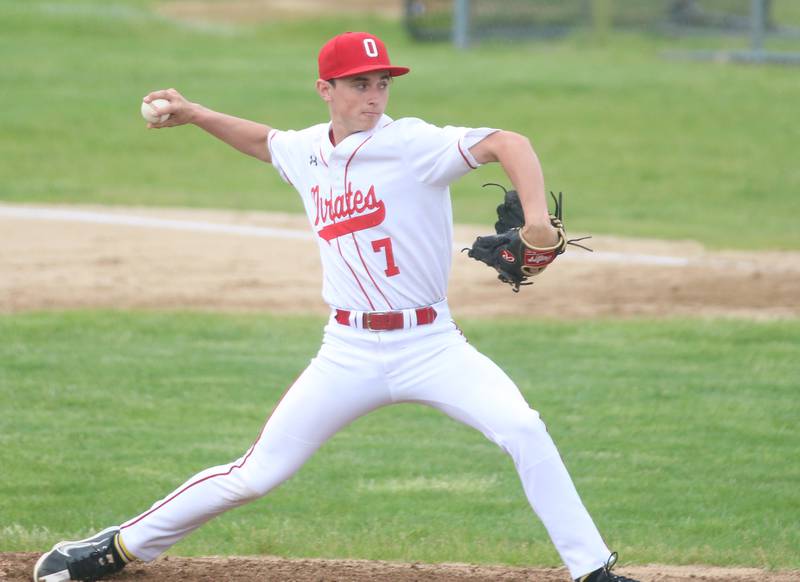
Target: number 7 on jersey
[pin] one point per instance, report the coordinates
(385, 244)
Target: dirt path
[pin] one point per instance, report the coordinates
(17, 567)
(69, 262)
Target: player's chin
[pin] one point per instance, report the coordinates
(370, 119)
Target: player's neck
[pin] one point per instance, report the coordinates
(338, 133)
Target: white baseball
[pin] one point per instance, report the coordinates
(150, 114)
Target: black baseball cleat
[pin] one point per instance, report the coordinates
(91, 559)
(604, 574)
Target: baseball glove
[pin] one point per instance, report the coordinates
(514, 258)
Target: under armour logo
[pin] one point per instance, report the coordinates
(312, 161)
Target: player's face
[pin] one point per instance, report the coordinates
(357, 103)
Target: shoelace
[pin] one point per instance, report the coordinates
(610, 563)
(94, 565)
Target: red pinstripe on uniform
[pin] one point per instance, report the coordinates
(338, 244)
(360, 286)
(270, 137)
(207, 477)
(463, 155)
(358, 250)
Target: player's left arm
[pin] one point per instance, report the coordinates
(521, 164)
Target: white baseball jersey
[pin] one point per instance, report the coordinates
(379, 203)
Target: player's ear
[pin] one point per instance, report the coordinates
(324, 88)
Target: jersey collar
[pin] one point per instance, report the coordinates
(352, 141)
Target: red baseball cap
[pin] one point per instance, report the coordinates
(351, 53)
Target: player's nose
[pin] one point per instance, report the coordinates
(373, 95)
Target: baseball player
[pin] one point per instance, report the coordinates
(376, 192)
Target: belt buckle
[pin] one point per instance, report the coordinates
(368, 318)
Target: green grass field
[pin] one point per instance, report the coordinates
(642, 146)
(680, 436)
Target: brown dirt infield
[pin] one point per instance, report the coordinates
(61, 264)
(47, 264)
(17, 567)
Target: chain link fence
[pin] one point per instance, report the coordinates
(436, 19)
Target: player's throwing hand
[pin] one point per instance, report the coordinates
(180, 110)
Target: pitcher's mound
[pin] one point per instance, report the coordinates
(17, 567)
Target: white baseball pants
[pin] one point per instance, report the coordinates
(357, 371)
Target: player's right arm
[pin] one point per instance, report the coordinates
(246, 136)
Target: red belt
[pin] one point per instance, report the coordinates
(387, 320)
